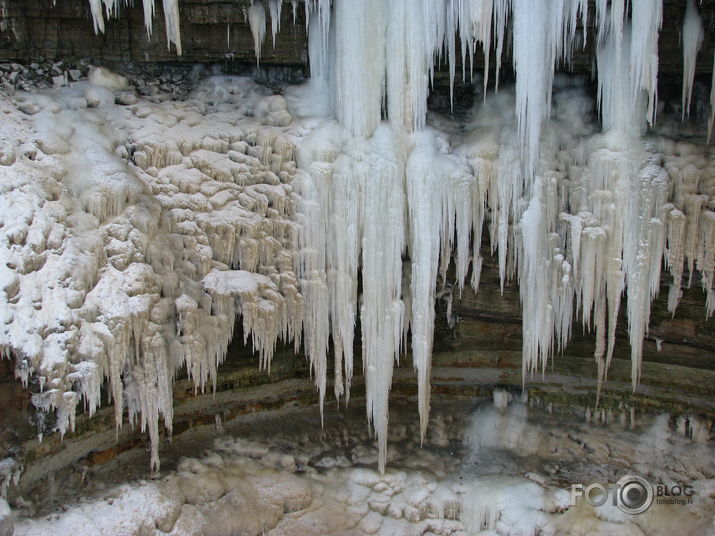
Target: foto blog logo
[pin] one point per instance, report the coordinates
(632, 494)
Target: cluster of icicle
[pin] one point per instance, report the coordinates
(102, 9)
(577, 219)
(374, 192)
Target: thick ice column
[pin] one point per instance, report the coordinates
(439, 200)
(533, 63)
(646, 20)
(343, 257)
(383, 243)
(618, 112)
(314, 194)
(409, 61)
(359, 64)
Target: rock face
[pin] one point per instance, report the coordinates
(211, 32)
(217, 31)
(477, 347)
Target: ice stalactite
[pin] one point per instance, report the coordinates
(711, 120)
(439, 197)
(342, 198)
(148, 16)
(642, 253)
(313, 210)
(359, 64)
(257, 22)
(692, 40)
(275, 7)
(101, 8)
(173, 24)
(382, 309)
(543, 34)
(394, 59)
(646, 20)
(95, 7)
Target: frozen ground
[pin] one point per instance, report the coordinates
(502, 467)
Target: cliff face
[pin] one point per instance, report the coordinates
(216, 31)
(213, 32)
(478, 347)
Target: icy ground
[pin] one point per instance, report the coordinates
(504, 467)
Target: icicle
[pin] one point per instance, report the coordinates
(148, 16)
(481, 19)
(646, 17)
(97, 15)
(543, 34)
(436, 188)
(382, 310)
(675, 255)
(359, 64)
(711, 120)
(275, 7)
(257, 22)
(343, 261)
(501, 18)
(533, 285)
(408, 65)
(314, 196)
(171, 16)
(642, 254)
(533, 61)
(692, 39)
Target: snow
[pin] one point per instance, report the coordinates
(131, 267)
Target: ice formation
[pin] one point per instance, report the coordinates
(108, 8)
(574, 249)
(131, 260)
(692, 40)
(216, 214)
